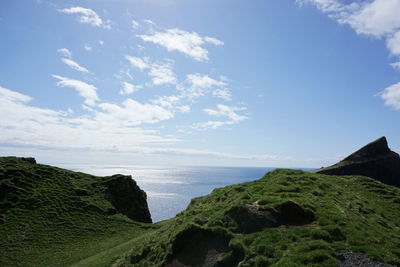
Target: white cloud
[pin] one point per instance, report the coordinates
(377, 18)
(197, 85)
(128, 88)
(123, 74)
(135, 25)
(161, 73)
(393, 44)
(132, 113)
(184, 108)
(74, 65)
(189, 43)
(391, 96)
(172, 103)
(395, 65)
(65, 52)
(138, 62)
(148, 21)
(324, 5)
(87, 16)
(204, 81)
(85, 90)
(12, 96)
(111, 129)
(87, 47)
(168, 102)
(226, 111)
(222, 111)
(213, 41)
(101, 42)
(224, 94)
(22, 124)
(210, 125)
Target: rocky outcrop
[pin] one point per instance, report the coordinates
(196, 246)
(127, 198)
(251, 218)
(374, 160)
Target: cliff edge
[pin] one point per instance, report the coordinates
(61, 215)
(127, 198)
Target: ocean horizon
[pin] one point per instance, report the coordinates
(170, 189)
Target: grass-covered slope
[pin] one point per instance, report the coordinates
(55, 217)
(287, 218)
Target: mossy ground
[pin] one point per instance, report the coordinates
(351, 213)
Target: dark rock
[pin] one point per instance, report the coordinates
(127, 198)
(347, 258)
(196, 246)
(374, 160)
(110, 212)
(251, 218)
(294, 214)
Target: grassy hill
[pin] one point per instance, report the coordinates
(287, 218)
(54, 217)
(51, 216)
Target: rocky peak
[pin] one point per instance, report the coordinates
(374, 160)
(372, 150)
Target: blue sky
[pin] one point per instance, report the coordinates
(267, 83)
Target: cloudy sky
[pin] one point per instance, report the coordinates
(182, 82)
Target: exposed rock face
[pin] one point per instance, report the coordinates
(252, 219)
(128, 199)
(200, 247)
(374, 160)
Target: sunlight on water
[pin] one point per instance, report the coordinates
(170, 189)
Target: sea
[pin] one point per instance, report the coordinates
(170, 189)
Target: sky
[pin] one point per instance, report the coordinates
(277, 83)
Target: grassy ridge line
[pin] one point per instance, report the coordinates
(350, 213)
